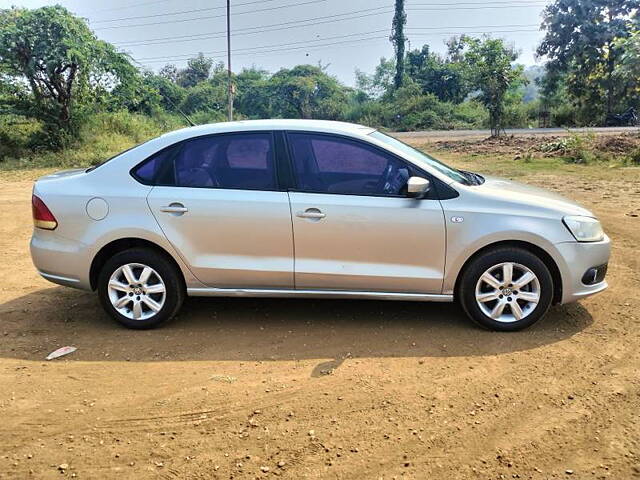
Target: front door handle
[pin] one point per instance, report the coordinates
(312, 213)
(177, 208)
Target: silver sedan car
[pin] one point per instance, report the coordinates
(301, 208)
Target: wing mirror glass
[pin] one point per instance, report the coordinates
(417, 187)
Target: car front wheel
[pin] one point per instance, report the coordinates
(506, 289)
(140, 288)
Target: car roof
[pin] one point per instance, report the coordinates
(326, 126)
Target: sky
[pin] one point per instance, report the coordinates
(343, 35)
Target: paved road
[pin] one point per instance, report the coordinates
(462, 134)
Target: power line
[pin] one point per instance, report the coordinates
(385, 37)
(254, 49)
(195, 11)
(310, 47)
(427, 7)
(476, 26)
(477, 8)
(275, 45)
(493, 2)
(266, 28)
(180, 39)
(297, 4)
(133, 6)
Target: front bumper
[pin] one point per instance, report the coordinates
(577, 259)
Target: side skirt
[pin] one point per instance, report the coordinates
(275, 293)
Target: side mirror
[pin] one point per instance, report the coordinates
(417, 187)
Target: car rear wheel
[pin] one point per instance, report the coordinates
(140, 288)
(506, 289)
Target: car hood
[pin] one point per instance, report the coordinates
(519, 193)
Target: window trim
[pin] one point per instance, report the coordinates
(432, 195)
(179, 145)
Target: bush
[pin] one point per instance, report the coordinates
(576, 148)
(564, 116)
(634, 157)
(16, 136)
(521, 115)
(102, 136)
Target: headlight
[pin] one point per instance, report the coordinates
(584, 229)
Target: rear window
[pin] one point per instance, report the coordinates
(157, 169)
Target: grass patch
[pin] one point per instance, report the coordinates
(103, 136)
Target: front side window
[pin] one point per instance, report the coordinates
(330, 164)
(237, 161)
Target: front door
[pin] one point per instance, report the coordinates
(223, 212)
(354, 228)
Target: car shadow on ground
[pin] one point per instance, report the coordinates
(246, 329)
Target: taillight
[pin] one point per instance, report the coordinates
(42, 216)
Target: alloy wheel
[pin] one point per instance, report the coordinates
(136, 291)
(507, 292)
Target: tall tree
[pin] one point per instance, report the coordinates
(491, 72)
(581, 44)
(63, 66)
(305, 91)
(443, 78)
(398, 39)
(197, 70)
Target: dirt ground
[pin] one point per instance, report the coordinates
(242, 388)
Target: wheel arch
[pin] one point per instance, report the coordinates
(122, 244)
(546, 258)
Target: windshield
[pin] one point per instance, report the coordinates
(420, 157)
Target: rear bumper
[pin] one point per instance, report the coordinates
(60, 260)
(578, 259)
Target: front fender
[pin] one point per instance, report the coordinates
(480, 230)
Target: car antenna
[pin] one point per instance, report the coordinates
(186, 117)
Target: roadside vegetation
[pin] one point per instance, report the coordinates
(70, 99)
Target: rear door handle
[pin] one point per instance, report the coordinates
(313, 213)
(176, 208)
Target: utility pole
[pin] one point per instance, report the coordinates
(230, 86)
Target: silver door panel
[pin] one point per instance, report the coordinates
(353, 242)
(229, 238)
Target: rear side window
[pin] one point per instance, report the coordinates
(158, 169)
(236, 161)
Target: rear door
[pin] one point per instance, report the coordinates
(218, 202)
(354, 227)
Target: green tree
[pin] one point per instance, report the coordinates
(170, 72)
(58, 65)
(253, 98)
(435, 75)
(171, 94)
(581, 44)
(197, 70)
(398, 39)
(306, 91)
(204, 97)
(380, 82)
(627, 70)
(491, 72)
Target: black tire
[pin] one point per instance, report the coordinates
(489, 259)
(164, 268)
